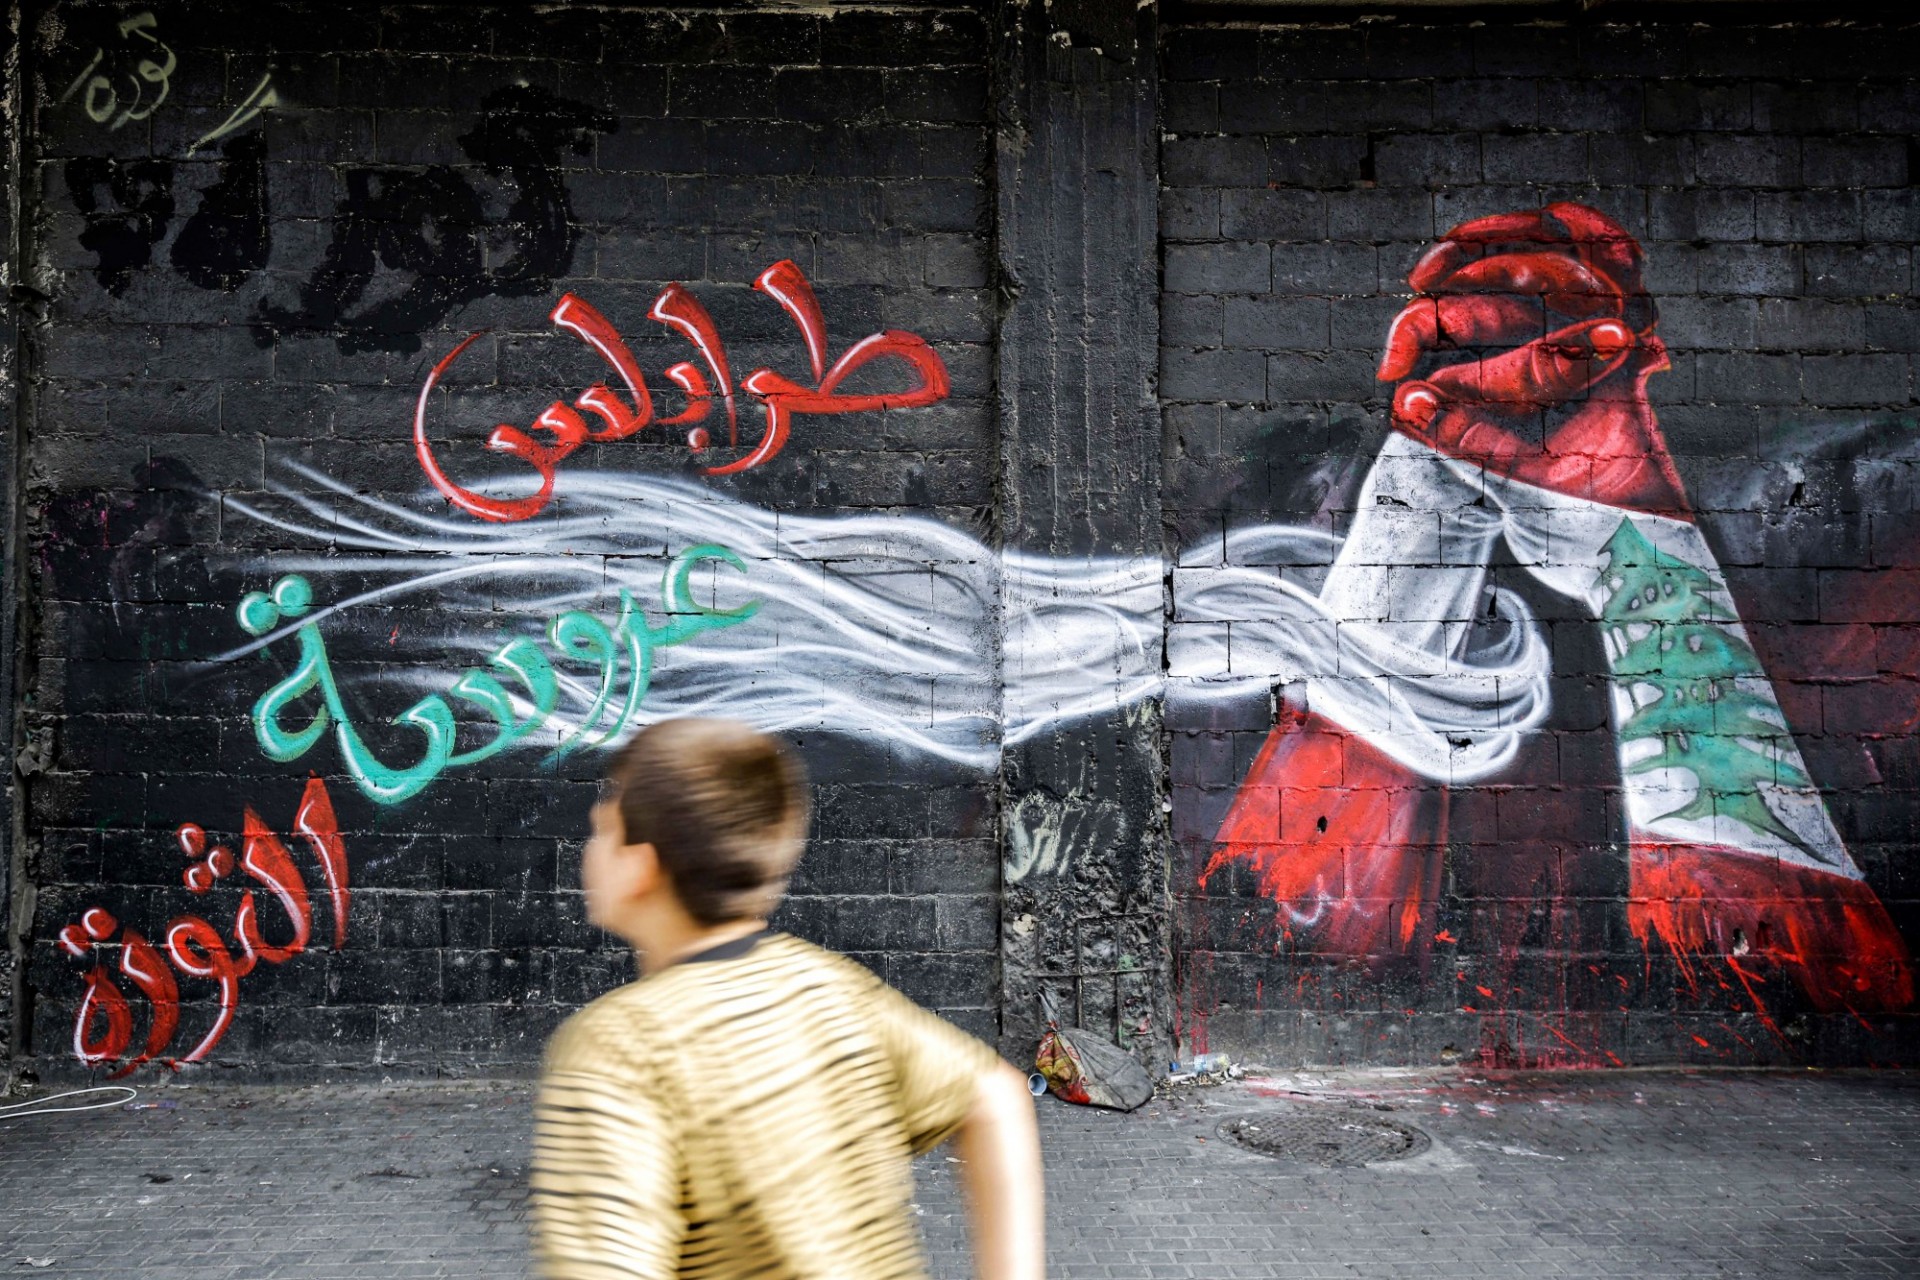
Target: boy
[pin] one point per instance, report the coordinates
(750, 1105)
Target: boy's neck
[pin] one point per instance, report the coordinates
(670, 941)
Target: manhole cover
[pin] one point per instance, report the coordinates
(1332, 1139)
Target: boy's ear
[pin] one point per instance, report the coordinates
(643, 871)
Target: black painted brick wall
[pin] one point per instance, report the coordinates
(177, 356)
(1769, 172)
(715, 141)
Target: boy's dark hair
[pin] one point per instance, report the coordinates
(724, 806)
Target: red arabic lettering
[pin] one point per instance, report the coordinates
(592, 328)
(141, 961)
(195, 947)
(679, 310)
(103, 999)
(784, 398)
(505, 439)
(96, 925)
(268, 861)
(682, 312)
(315, 821)
(212, 960)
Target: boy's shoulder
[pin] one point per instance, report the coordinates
(608, 1033)
(625, 1021)
(775, 959)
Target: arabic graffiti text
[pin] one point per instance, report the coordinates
(103, 1027)
(678, 309)
(579, 637)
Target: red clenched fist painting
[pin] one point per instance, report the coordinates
(1563, 405)
(1522, 424)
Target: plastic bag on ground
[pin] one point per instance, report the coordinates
(1081, 1067)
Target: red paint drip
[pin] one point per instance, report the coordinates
(1829, 933)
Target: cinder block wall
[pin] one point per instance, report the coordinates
(1766, 173)
(222, 337)
(1057, 750)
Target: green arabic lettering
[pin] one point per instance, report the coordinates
(584, 638)
(522, 658)
(686, 618)
(576, 635)
(259, 614)
(291, 598)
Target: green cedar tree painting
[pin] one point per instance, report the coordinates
(1671, 633)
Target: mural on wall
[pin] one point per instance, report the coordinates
(441, 611)
(104, 1026)
(1521, 418)
(1407, 671)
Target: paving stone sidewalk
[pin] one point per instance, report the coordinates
(1643, 1174)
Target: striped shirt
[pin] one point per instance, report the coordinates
(751, 1111)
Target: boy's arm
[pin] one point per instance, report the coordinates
(1001, 1147)
(954, 1087)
